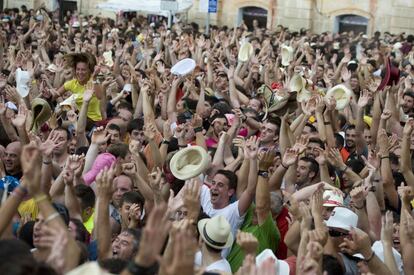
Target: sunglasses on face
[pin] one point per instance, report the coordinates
(334, 233)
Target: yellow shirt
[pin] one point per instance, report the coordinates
(94, 111)
(89, 223)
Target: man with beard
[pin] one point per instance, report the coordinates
(407, 105)
(352, 139)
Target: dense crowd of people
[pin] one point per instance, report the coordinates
(131, 148)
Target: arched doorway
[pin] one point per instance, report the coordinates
(248, 14)
(351, 22)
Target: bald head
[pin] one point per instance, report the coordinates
(12, 158)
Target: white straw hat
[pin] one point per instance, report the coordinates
(246, 50)
(342, 95)
(216, 232)
(287, 55)
(183, 67)
(282, 266)
(22, 82)
(189, 162)
(332, 198)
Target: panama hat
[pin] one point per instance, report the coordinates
(69, 102)
(41, 113)
(297, 83)
(342, 95)
(22, 82)
(183, 67)
(52, 68)
(342, 218)
(390, 75)
(287, 55)
(189, 162)
(332, 198)
(216, 232)
(282, 266)
(246, 50)
(90, 268)
(108, 58)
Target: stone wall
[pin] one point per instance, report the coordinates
(318, 15)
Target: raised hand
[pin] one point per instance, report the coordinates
(406, 193)
(386, 114)
(387, 228)
(345, 74)
(266, 160)
(31, 161)
(301, 144)
(167, 133)
(290, 157)
(20, 119)
(150, 131)
(155, 183)
(104, 183)
(88, 94)
(192, 198)
(251, 147)
(408, 127)
(52, 142)
(100, 136)
(153, 237)
(130, 169)
(334, 158)
(358, 242)
(364, 98)
(75, 163)
(248, 242)
(134, 215)
(358, 196)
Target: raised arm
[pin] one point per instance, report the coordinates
(104, 191)
(405, 161)
(262, 188)
(247, 196)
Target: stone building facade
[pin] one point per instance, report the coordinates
(368, 16)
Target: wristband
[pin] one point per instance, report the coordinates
(327, 123)
(51, 217)
(359, 208)
(182, 146)
(164, 141)
(47, 162)
(344, 170)
(284, 166)
(198, 129)
(385, 157)
(263, 173)
(40, 198)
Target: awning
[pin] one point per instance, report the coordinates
(148, 6)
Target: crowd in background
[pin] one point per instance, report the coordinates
(278, 152)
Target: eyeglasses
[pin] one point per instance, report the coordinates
(334, 233)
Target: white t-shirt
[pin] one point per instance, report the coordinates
(230, 212)
(221, 265)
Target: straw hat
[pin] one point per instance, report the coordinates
(41, 113)
(189, 162)
(22, 82)
(299, 84)
(282, 266)
(332, 198)
(69, 102)
(287, 55)
(216, 232)
(246, 50)
(183, 67)
(342, 95)
(342, 218)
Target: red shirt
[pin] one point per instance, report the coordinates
(283, 226)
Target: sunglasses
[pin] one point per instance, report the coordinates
(334, 233)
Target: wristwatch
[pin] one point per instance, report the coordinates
(263, 174)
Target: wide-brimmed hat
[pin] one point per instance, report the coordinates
(246, 50)
(52, 68)
(390, 75)
(183, 67)
(287, 55)
(69, 102)
(189, 162)
(332, 198)
(300, 85)
(342, 95)
(41, 113)
(216, 232)
(282, 266)
(342, 218)
(22, 82)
